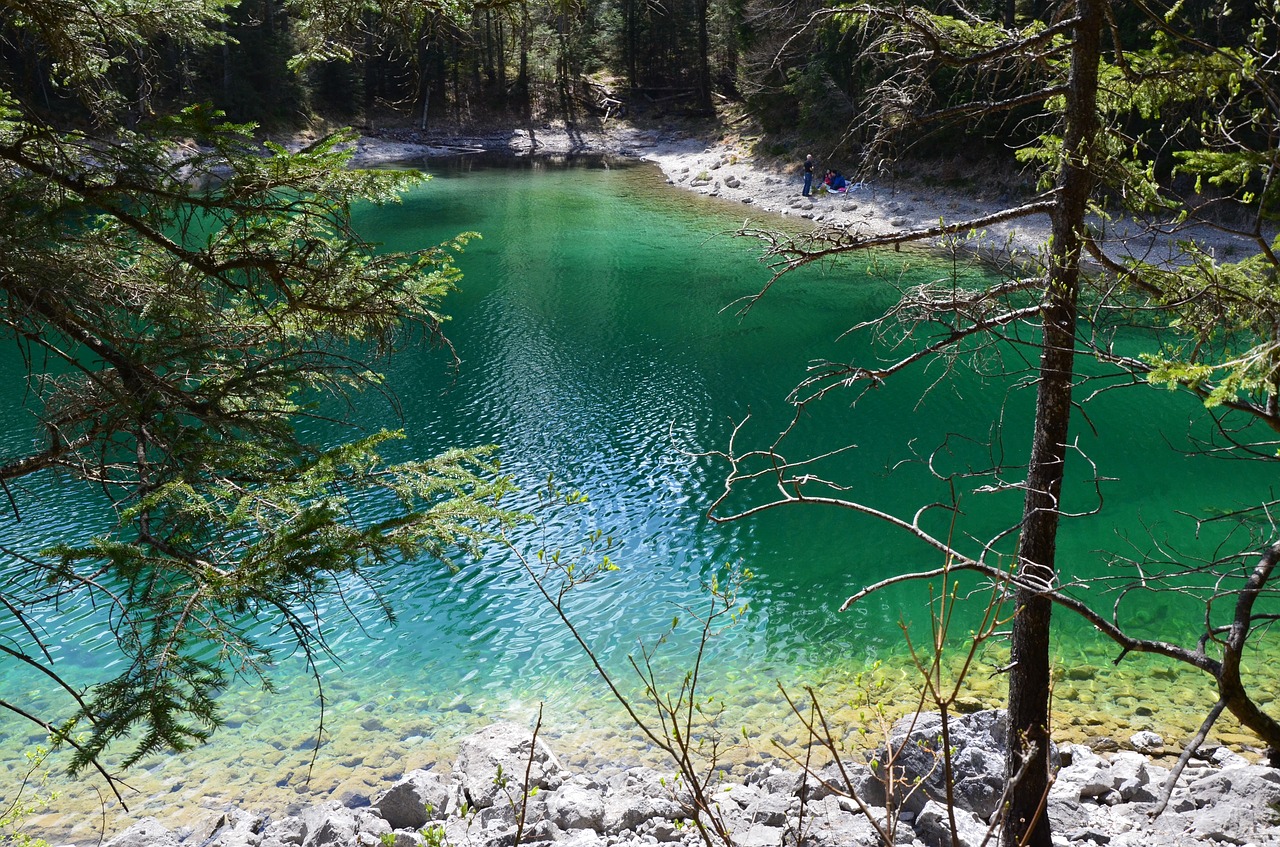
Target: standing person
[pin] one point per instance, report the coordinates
(808, 174)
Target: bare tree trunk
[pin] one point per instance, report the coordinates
(704, 59)
(1025, 820)
(631, 44)
(370, 72)
(1231, 688)
(226, 61)
(562, 64)
(500, 57)
(424, 76)
(522, 82)
(490, 70)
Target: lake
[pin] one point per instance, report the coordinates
(601, 343)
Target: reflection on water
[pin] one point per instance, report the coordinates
(596, 346)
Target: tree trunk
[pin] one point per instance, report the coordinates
(632, 76)
(500, 59)
(490, 71)
(1025, 821)
(370, 72)
(522, 81)
(1231, 688)
(562, 63)
(704, 59)
(225, 49)
(424, 75)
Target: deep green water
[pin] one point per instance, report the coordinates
(599, 343)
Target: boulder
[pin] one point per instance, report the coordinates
(1088, 776)
(1129, 774)
(977, 761)
(933, 827)
(491, 766)
(232, 828)
(576, 807)
(750, 813)
(1147, 742)
(580, 838)
(827, 782)
(1066, 814)
(1250, 786)
(328, 825)
(286, 832)
(627, 811)
(147, 832)
(768, 809)
(416, 798)
(661, 830)
(759, 835)
(1224, 758)
(1231, 823)
(370, 828)
(775, 780)
(854, 778)
(829, 825)
(638, 795)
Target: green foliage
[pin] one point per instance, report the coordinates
(185, 312)
(1173, 117)
(1221, 311)
(86, 42)
(12, 818)
(1225, 347)
(824, 110)
(433, 835)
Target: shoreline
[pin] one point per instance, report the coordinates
(726, 169)
(260, 762)
(508, 786)
(678, 156)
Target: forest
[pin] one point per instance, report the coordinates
(800, 72)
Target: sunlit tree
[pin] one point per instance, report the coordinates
(1139, 127)
(184, 299)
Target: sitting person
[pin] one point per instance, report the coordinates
(838, 182)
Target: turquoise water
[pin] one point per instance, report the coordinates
(599, 343)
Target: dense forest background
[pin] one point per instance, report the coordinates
(798, 70)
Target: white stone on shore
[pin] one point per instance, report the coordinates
(1095, 799)
(1147, 741)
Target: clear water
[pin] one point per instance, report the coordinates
(599, 343)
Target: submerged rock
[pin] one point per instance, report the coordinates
(1147, 742)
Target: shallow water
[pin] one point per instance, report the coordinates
(599, 343)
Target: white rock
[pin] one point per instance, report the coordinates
(1147, 741)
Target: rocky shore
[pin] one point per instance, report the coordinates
(726, 167)
(507, 787)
